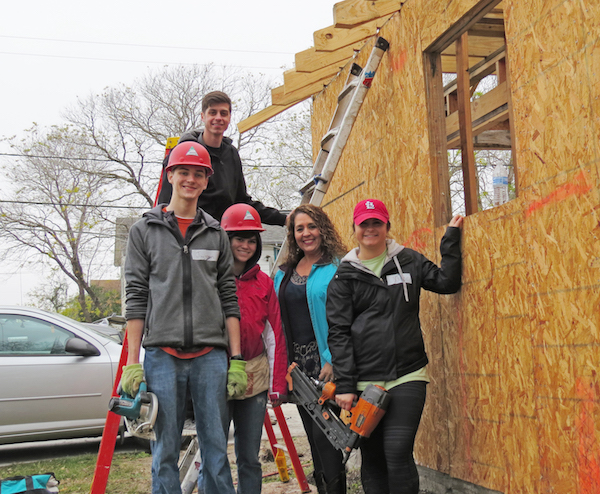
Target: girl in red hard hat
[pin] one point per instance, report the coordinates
(262, 341)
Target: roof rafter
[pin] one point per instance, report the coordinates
(353, 12)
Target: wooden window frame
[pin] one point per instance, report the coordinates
(437, 100)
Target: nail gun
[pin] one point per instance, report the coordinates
(317, 398)
(140, 411)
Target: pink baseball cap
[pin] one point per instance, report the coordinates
(370, 208)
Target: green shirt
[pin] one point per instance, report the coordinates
(376, 263)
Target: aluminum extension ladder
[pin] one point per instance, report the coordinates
(333, 142)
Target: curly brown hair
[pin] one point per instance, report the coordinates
(332, 246)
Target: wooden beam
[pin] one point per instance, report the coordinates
(466, 126)
(493, 139)
(332, 38)
(449, 63)
(478, 46)
(511, 121)
(438, 155)
(481, 9)
(279, 96)
(261, 117)
(493, 103)
(491, 121)
(311, 59)
(490, 28)
(480, 70)
(353, 12)
(294, 80)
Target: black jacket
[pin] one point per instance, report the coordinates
(374, 326)
(226, 186)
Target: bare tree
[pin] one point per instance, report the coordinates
(51, 295)
(282, 164)
(71, 181)
(53, 211)
(126, 128)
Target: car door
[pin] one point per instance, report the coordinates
(46, 392)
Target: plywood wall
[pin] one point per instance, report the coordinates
(514, 399)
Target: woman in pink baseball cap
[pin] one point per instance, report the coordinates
(375, 337)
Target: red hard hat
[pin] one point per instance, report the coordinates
(192, 154)
(241, 217)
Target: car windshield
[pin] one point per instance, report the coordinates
(100, 329)
(104, 330)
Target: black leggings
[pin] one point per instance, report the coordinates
(388, 466)
(327, 460)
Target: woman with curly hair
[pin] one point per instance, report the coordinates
(314, 251)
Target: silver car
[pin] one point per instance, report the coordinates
(56, 376)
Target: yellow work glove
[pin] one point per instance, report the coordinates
(131, 378)
(237, 379)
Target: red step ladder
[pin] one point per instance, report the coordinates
(278, 449)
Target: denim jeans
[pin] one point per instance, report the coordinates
(248, 417)
(206, 377)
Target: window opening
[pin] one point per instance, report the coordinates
(469, 106)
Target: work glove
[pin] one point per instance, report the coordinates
(132, 377)
(237, 379)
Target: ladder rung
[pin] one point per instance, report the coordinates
(310, 185)
(351, 86)
(307, 186)
(281, 446)
(328, 139)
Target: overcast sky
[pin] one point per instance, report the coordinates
(51, 52)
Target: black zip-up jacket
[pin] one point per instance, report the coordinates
(226, 186)
(374, 326)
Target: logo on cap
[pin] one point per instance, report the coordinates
(248, 216)
(192, 152)
(369, 205)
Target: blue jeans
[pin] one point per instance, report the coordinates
(248, 417)
(206, 377)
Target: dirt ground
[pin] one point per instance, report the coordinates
(272, 483)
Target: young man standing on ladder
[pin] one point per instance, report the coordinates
(227, 186)
(181, 297)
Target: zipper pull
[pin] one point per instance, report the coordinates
(185, 249)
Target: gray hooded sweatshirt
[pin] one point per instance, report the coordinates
(184, 288)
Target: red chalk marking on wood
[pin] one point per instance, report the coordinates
(417, 239)
(399, 61)
(588, 450)
(577, 187)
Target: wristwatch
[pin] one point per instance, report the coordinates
(237, 357)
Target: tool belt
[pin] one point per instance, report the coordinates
(258, 373)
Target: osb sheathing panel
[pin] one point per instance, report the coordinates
(514, 400)
(548, 61)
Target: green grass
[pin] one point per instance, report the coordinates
(129, 473)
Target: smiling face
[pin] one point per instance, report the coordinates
(243, 248)
(307, 234)
(188, 181)
(371, 235)
(216, 119)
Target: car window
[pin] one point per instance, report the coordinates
(22, 335)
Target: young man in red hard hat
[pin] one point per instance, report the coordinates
(181, 299)
(227, 186)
